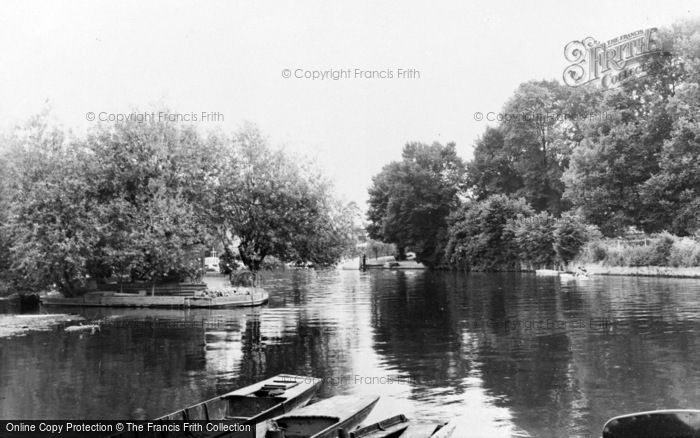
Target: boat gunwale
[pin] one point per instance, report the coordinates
(342, 422)
(264, 415)
(294, 417)
(311, 386)
(397, 422)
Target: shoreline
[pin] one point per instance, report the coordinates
(643, 271)
(354, 264)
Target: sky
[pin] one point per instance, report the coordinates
(230, 58)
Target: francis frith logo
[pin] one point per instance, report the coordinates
(613, 62)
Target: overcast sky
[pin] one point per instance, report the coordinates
(229, 58)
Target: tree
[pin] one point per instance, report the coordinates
(492, 170)
(534, 238)
(635, 167)
(126, 202)
(409, 200)
(570, 234)
(481, 236)
(607, 172)
(141, 201)
(673, 192)
(5, 205)
(332, 235)
(527, 153)
(151, 182)
(50, 228)
(377, 249)
(276, 206)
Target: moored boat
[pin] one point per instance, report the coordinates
(421, 429)
(255, 403)
(325, 419)
(547, 272)
(449, 430)
(418, 429)
(388, 428)
(567, 276)
(244, 297)
(666, 423)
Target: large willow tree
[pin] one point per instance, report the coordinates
(141, 201)
(272, 204)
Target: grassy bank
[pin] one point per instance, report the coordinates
(662, 255)
(644, 271)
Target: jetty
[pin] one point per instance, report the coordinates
(215, 291)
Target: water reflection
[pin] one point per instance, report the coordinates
(508, 353)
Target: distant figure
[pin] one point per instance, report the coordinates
(364, 262)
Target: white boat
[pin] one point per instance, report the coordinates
(92, 328)
(547, 272)
(569, 276)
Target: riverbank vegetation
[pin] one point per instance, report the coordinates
(660, 250)
(562, 172)
(143, 201)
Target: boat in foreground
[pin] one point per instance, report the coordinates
(678, 423)
(329, 418)
(448, 430)
(255, 403)
(244, 297)
(400, 426)
(388, 428)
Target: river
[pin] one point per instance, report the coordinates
(509, 354)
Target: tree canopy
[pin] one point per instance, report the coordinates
(409, 200)
(582, 160)
(526, 154)
(276, 206)
(636, 167)
(481, 236)
(143, 200)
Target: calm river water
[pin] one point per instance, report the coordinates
(510, 354)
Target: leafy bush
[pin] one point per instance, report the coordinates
(615, 256)
(684, 253)
(271, 262)
(480, 237)
(661, 248)
(641, 256)
(595, 251)
(534, 237)
(570, 234)
(654, 254)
